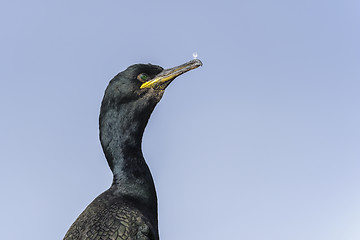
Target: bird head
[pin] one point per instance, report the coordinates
(144, 81)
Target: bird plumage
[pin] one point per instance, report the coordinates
(128, 209)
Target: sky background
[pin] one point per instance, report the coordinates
(262, 142)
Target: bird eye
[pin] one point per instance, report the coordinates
(142, 77)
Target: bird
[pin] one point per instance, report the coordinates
(128, 209)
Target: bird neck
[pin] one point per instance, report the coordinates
(121, 131)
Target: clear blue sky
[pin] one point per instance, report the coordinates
(262, 142)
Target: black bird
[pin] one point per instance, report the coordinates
(128, 209)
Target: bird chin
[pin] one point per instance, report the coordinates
(155, 94)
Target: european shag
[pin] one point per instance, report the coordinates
(128, 209)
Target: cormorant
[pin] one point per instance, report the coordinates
(128, 209)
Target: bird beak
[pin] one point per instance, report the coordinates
(163, 79)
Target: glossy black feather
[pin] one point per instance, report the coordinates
(128, 209)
